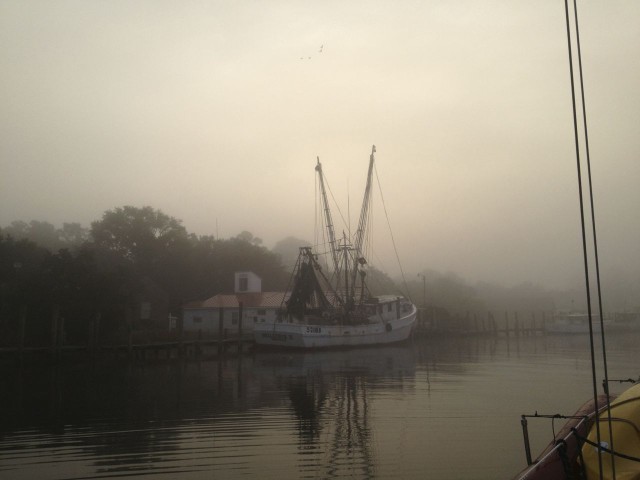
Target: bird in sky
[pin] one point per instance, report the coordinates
(319, 51)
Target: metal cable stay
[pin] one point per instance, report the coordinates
(352, 255)
(560, 446)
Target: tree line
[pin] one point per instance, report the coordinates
(134, 255)
(129, 256)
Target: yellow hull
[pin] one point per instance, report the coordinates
(625, 426)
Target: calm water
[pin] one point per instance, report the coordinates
(430, 409)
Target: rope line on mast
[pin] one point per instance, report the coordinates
(393, 241)
(593, 226)
(584, 236)
(327, 216)
(363, 221)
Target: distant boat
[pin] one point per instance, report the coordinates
(572, 322)
(602, 439)
(624, 322)
(338, 310)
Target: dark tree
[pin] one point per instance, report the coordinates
(288, 249)
(249, 238)
(138, 234)
(46, 235)
(34, 283)
(73, 234)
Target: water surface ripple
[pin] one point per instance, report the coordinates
(446, 408)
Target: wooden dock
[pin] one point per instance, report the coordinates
(209, 347)
(481, 325)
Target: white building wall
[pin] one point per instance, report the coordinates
(247, 282)
(207, 319)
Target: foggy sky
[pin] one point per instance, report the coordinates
(206, 111)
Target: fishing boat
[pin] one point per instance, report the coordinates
(323, 310)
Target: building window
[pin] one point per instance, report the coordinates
(262, 311)
(145, 310)
(243, 284)
(197, 319)
(234, 318)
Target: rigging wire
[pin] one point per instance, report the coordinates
(393, 241)
(326, 182)
(315, 211)
(583, 229)
(584, 237)
(595, 238)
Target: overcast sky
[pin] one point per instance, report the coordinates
(213, 112)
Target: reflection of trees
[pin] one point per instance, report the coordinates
(125, 418)
(308, 396)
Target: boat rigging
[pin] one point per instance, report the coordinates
(324, 310)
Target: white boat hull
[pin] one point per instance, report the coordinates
(569, 328)
(299, 335)
(573, 323)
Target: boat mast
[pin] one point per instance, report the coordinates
(348, 298)
(362, 223)
(328, 219)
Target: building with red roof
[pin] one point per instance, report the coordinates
(257, 307)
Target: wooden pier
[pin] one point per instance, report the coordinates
(182, 345)
(210, 347)
(480, 325)
(430, 323)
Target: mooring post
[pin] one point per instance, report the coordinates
(90, 335)
(434, 319)
(23, 328)
(60, 335)
(54, 329)
(220, 331)
(180, 322)
(525, 434)
(95, 332)
(129, 315)
(533, 323)
(506, 323)
(240, 312)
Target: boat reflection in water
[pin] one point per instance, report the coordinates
(329, 393)
(395, 412)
